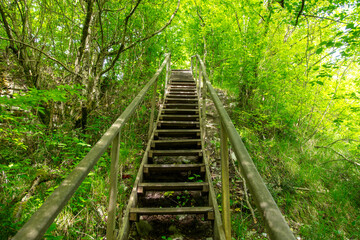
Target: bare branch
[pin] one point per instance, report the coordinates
(237, 21)
(344, 140)
(47, 55)
(7, 29)
(326, 18)
(301, 9)
(340, 154)
(123, 49)
(198, 13)
(157, 32)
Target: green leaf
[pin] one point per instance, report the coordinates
(319, 50)
(350, 26)
(338, 44)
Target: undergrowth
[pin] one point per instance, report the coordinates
(32, 167)
(317, 191)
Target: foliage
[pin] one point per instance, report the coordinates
(292, 65)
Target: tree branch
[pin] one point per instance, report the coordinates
(47, 55)
(197, 11)
(7, 29)
(122, 43)
(301, 9)
(326, 18)
(343, 139)
(157, 32)
(123, 49)
(85, 30)
(340, 154)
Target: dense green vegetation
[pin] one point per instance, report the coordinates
(290, 66)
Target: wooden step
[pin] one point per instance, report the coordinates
(180, 100)
(176, 144)
(195, 133)
(173, 168)
(136, 212)
(181, 80)
(181, 106)
(178, 117)
(183, 84)
(181, 88)
(184, 90)
(173, 186)
(179, 111)
(182, 152)
(171, 95)
(177, 79)
(184, 95)
(178, 124)
(190, 92)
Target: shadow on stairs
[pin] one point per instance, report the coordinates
(173, 197)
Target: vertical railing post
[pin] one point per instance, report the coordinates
(203, 105)
(198, 74)
(225, 203)
(152, 115)
(113, 187)
(166, 77)
(192, 66)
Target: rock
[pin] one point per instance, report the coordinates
(177, 237)
(143, 228)
(181, 217)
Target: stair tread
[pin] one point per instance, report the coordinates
(180, 110)
(177, 130)
(167, 186)
(178, 116)
(180, 122)
(177, 140)
(181, 95)
(173, 98)
(177, 151)
(174, 166)
(186, 87)
(187, 91)
(181, 80)
(180, 210)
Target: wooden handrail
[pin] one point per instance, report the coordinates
(275, 223)
(41, 220)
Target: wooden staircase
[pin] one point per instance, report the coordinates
(174, 178)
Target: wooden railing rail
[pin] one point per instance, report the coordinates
(41, 220)
(275, 223)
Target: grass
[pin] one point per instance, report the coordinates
(316, 190)
(320, 199)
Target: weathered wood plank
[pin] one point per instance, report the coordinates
(173, 167)
(174, 186)
(171, 211)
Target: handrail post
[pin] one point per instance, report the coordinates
(167, 73)
(203, 105)
(198, 73)
(192, 65)
(225, 203)
(153, 100)
(113, 187)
